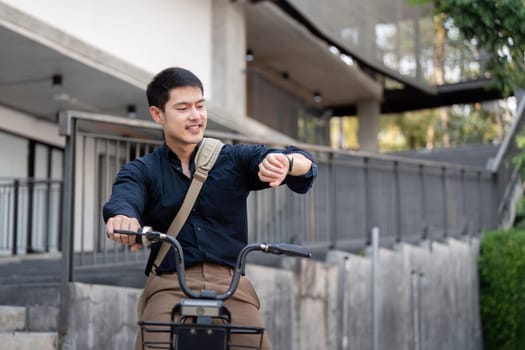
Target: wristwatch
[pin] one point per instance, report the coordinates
(290, 164)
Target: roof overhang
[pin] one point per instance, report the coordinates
(392, 11)
(403, 100)
(297, 60)
(92, 80)
(32, 52)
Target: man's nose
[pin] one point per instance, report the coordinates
(194, 113)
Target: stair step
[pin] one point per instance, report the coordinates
(29, 340)
(42, 318)
(12, 318)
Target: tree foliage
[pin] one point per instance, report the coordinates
(467, 125)
(498, 28)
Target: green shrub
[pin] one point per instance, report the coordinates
(502, 289)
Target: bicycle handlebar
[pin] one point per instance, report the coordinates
(286, 249)
(269, 248)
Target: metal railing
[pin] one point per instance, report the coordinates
(407, 200)
(30, 215)
(510, 185)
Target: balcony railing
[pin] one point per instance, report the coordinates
(407, 200)
(30, 216)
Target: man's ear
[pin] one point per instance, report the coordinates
(156, 114)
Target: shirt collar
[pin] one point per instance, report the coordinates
(168, 153)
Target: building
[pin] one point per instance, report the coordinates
(272, 70)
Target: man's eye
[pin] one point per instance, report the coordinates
(182, 108)
(200, 106)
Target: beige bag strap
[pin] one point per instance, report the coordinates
(204, 160)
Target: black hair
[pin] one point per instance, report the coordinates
(158, 91)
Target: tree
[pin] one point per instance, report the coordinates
(468, 124)
(406, 131)
(439, 74)
(496, 27)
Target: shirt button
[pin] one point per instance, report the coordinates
(198, 228)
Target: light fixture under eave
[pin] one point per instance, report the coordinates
(334, 50)
(347, 59)
(131, 111)
(67, 101)
(249, 55)
(317, 97)
(56, 80)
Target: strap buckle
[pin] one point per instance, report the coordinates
(200, 174)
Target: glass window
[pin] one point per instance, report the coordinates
(13, 155)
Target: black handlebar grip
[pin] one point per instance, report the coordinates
(289, 249)
(137, 234)
(126, 232)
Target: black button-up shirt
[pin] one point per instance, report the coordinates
(152, 189)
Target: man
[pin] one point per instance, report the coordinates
(150, 190)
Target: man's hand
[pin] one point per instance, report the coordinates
(275, 166)
(273, 169)
(122, 222)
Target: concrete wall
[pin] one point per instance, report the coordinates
(437, 283)
(316, 305)
(228, 66)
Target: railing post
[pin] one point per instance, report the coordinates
(30, 199)
(68, 200)
(16, 188)
(345, 303)
(495, 219)
(375, 286)
(367, 199)
(29, 228)
(444, 191)
(332, 203)
(421, 175)
(60, 218)
(417, 280)
(420, 325)
(49, 187)
(397, 196)
(463, 197)
(480, 207)
(415, 309)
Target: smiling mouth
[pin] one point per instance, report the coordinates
(194, 127)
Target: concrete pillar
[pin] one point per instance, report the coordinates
(228, 58)
(367, 31)
(368, 112)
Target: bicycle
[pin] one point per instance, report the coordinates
(192, 325)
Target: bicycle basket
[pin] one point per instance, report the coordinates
(184, 336)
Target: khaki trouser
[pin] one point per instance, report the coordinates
(162, 292)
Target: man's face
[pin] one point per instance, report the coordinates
(184, 117)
